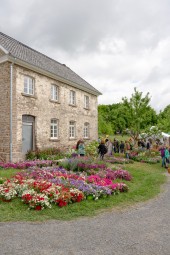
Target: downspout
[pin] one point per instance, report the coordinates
(11, 95)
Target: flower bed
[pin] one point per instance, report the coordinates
(117, 160)
(40, 188)
(82, 166)
(144, 159)
(26, 164)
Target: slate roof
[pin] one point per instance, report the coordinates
(22, 52)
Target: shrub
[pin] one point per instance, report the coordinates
(48, 153)
(92, 149)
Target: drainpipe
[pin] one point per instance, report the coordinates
(11, 94)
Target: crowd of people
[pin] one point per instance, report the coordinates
(114, 147)
(106, 146)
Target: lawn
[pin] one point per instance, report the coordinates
(146, 184)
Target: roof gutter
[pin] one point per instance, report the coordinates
(51, 75)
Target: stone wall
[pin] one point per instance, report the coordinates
(5, 110)
(44, 110)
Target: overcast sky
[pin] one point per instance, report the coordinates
(115, 45)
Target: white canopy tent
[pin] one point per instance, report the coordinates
(165, 135)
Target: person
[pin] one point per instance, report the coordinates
(122, 147)
(106, 142)
(139, 143)
(117, 146)
(166, 157)
(148, 145)
(81, 148)
(143, 145)
(109, 146)
(102, 149)
(127, 149)
(162, 151)
(114, 145)
(99, 139)
(77, 145)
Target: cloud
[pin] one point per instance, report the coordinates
(115, 45)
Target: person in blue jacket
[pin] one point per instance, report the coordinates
(166, 157)
(81, 149)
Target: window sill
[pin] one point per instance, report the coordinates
(72, 139)
(54, 139)
(73, 105)
(28, 95)
(54, 101)
(88, 109)
(86, 138)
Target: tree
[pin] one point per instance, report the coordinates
(114, 116)
(135, 115)
(153, 133)
(103, 126)
(164, 119)
(138, 107)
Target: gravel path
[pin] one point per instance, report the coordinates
(143, 229)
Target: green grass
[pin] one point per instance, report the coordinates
(118, 137)
(146, 184)
(8, 173)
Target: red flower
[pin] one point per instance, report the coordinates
(38, 208)
(79, 198)
(61, 203)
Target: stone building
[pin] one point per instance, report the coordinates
(43, 103)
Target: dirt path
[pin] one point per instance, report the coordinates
(143, 229)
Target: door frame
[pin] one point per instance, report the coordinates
(30, 121)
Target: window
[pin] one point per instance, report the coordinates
(86, 130)
(86, 102)
(72, 129)
(54, 128)
(72, 97)
(54, 92)
(28, 85)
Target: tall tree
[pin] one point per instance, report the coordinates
(164, 119)
(104, 127)
(137, 106)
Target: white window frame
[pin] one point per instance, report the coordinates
(72, 97)
(28, 85)
(86, 102)
(54, 92)
(72, 129)
(86, 130)
(54, 129)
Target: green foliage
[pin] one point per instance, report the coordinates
(70, 164)
(134, 114)
(91, 149)
(164, 119)
(48, 153)
(152, 132)
(137, 106)
(103, 126)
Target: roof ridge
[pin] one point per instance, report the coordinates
(35, 58)
(13, 39)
